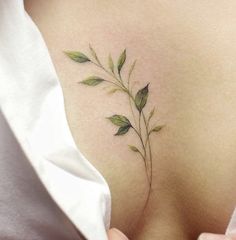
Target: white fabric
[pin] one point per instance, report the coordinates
(31, 100)
(231, 229)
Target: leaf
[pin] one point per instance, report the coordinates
(123, 130)
(111, 63)
(141, 98)
(93, 53)
(120, 120)
(133, 148)
(157, 128)
(132, 68)
(114, 90)
(77, 56)
(151, 114)
(121, 61)
(92, 81)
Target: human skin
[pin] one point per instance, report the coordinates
(115, 234)
(210, 236)
(185, 50)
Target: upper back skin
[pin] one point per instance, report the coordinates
(185, 50)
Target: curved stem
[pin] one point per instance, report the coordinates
(132, 110)
(148, 140)
(121, 78)
(117, 85)
(142, 156)
(140, 132)
(145, 165)
(120, 84)
(130, 103)
(141, 140)
(149, 146)
(109, 73)
(145, 153)
(129, 96)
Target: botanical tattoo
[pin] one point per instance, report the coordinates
(141, 122)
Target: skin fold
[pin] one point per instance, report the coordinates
(185, 50)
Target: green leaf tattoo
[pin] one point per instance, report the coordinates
(77, 56)
(156, 129)
(120, 120)
(111, 63)
(92, 81)
(140, 123)
(141, 98)
(122, 130)
(133, 148)
(114, 90)
(121, 61)
(151, 114)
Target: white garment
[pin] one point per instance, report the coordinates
(31, 100)
(231, 229)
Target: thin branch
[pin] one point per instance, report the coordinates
(149, 147)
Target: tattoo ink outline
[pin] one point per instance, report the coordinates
(137, 101)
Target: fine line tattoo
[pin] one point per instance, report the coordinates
(141, 122)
